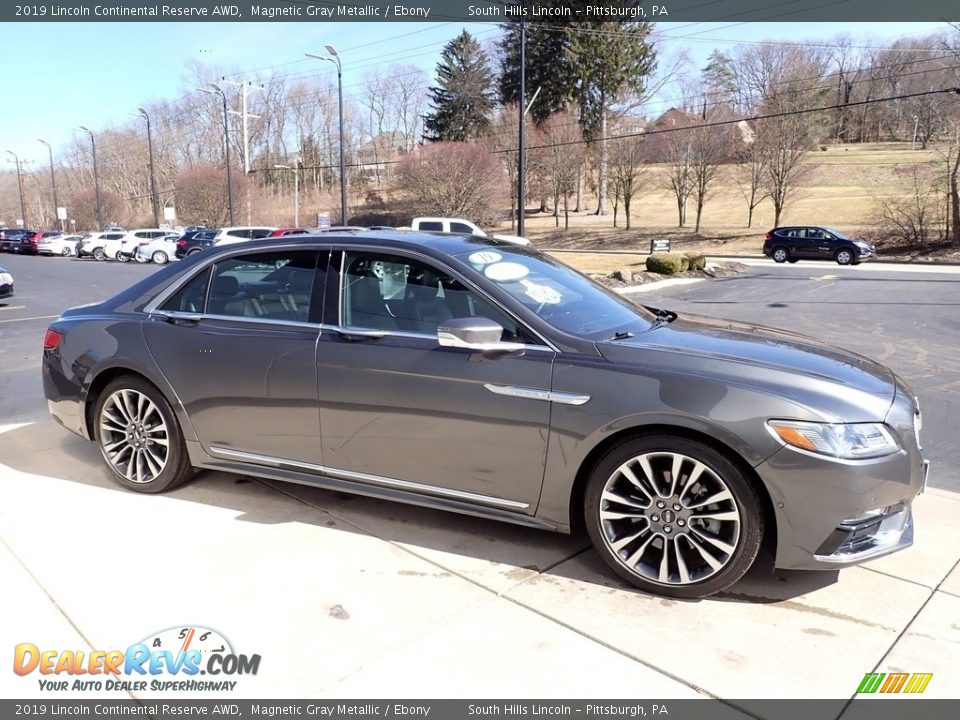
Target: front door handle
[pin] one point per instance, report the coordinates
(358, 334)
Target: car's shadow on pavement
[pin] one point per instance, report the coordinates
(489, 553)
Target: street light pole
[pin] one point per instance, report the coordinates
(153, 177)
(53, 183)
(96, 177)
(335, 58)
(296, 190)
(226, 142)
(522, 151)
(23, 208)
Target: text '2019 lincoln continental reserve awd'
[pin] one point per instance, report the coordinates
(483, 377)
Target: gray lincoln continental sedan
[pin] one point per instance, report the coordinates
(473, 375)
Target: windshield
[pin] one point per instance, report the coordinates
(557, 293)
(837, 234)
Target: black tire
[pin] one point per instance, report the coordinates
(122, 258)
(194, 251)
(175, 470)
(160, 257)
(780, 254)
(844, 256)
(99, 255)
(720, 474)
(66, 252)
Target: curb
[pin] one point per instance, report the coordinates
(646, 287)
(638, 253)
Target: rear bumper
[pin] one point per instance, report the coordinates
(6, 291)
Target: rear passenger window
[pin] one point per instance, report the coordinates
(269, 286)
(461, 228)
(431, 226)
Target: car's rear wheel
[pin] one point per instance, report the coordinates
(780, 254)
(194, 251)
(160, 257)
(66, 252)
(844, 257)
(122, 258)
(139, 437)
(673, 516)
(99, 254)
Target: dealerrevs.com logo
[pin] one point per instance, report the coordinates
(172, 660)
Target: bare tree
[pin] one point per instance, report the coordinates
(453, 179)
(710, 147)
(678, 175)
(628, 156)
(783, 142)
(202, 194)
(918, 217)
(563, 158)
(749, 174)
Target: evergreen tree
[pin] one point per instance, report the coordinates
(720, 80)
(464, 96)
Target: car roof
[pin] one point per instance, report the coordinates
(439, 243)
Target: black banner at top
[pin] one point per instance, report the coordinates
(733, 11)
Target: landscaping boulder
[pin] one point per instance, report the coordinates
(666, 263)
(623, 275)
(697, 261)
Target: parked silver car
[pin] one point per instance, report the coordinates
(483, 377)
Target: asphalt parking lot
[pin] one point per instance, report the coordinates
(353, 597)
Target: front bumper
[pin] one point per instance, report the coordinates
(6, 291)
(833, 514)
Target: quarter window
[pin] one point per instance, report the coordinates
(461, 228)
(431, 226)
(395, 293)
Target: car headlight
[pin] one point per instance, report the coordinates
(6, 278)
(852, 441)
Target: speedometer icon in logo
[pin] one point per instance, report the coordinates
(184, 639)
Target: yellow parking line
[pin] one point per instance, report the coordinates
(39, 317)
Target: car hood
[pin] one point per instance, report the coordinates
(828, 379)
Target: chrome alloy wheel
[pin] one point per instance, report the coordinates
(133, 436)
(669, 518)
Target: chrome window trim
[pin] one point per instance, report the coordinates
(347, 330)
(458, 275)
(186, 315)
(368, 478)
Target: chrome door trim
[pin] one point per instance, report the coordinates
(367, 478)
(184, 315)
(537, 394)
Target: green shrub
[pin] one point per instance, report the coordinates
(697, 261)
(666, 263)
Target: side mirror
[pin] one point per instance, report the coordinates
(475, 333)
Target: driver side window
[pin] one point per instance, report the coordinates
(393, 293)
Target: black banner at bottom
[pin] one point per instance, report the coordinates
(706, 709)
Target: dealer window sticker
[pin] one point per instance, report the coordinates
(543, 294)
(485, 257)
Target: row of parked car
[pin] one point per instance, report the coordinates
(142, 245)
(162, 246)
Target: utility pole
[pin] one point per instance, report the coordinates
(246, 88)
(153, 176)
(23, 209)
(226, 143)
(53, 184)
(96, 176)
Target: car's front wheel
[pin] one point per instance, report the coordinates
(673, 516)
(139, 437)
(160, 257)
(844, 257)
(66, 252)
(122, 258)
(99, 255)
(780, 254)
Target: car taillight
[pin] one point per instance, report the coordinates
(181, 243)
(769, 235)
(51, 341)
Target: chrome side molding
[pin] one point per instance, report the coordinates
(537, 394)
(406, 485)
